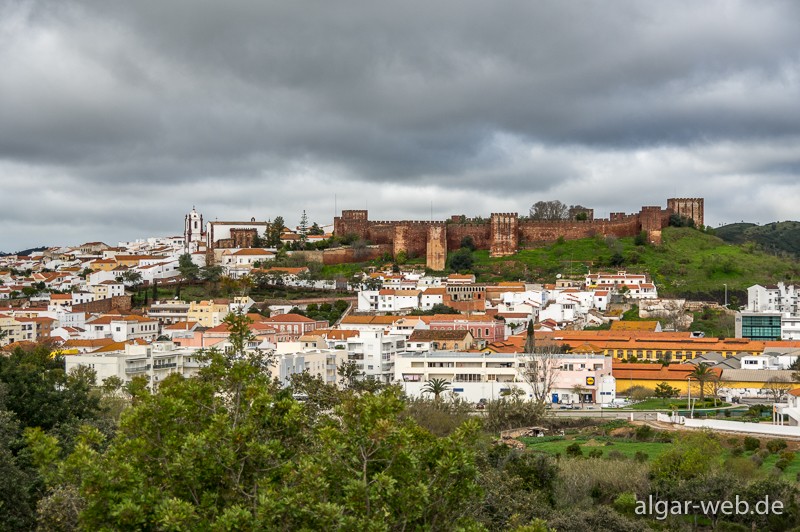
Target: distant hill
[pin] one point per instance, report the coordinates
(24, 252)
(774, 238)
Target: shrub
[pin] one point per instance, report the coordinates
(625, 503)
(595, 453)
(577, 483)
(737, 451)
(751, 444)
(757, 460)
(727, 413)
(615, 455)
(574, 450)
(787, 455)
(782, 464)
(777, 445)
(644, 432)
(640, 457)
(763, 453)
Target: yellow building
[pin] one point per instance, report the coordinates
(208, 313)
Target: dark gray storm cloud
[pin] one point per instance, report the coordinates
(117, 116)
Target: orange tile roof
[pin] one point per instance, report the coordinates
(634, 325)
(286, 318)
(434, 292)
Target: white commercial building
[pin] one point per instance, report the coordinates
(476, 376)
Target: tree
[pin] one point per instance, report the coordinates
(303, 229)
(316, 230)
(469, 243)
(272, 233)
(549, 210)
(541, 367)
(188, 269)
(462, 260)
(702, 374)
(578, 212)
(211, 274)
(777, 387)
(132, 279)
(664, 391)
(436, 387)
(579, 390)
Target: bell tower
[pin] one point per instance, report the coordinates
(192, 231)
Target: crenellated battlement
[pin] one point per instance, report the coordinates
(502, 232)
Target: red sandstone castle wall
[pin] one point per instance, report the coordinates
(347, 255)
(539, 232)
(504, 233)
(479, 231)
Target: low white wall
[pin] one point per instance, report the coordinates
(739, 426)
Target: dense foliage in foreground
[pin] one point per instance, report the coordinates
(230, 450)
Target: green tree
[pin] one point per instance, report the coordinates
(212, 273)
(436, 387)
(702, 374)
(664, 391)
(316, 230)
(188, 269)
(303, 230)
(462, 260)
(272, 234)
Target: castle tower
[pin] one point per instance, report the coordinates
(192, 231)
(504, 236)
(688, 207)
(436, 255)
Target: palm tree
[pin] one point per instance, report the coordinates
(702, 374)
(436, 387)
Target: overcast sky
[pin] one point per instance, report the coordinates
(117, 116)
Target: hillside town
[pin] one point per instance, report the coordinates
(403, 325)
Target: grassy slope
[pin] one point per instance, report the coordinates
(688, 262)
(777, 237)
(653, 450)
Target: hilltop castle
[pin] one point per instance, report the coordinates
(505, 233)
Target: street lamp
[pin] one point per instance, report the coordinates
(689, 399)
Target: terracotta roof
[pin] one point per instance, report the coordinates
(181, 326)
(287, 318)
(337, 334)
(634, 325)
(434, 292)
(253, 252)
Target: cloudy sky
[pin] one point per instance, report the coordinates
(117, 116)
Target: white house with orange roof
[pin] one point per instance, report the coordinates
(433, 295)
(122, 328)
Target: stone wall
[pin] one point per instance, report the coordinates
(504, 233)
(121, 303)
(348, 254)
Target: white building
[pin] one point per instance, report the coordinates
(155, 362)
(374, 353)
(322, 363)
(476, 376)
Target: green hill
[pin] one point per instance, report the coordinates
(689, 263)
(775, 238)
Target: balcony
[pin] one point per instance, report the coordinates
(137, 369)
(165, 366)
